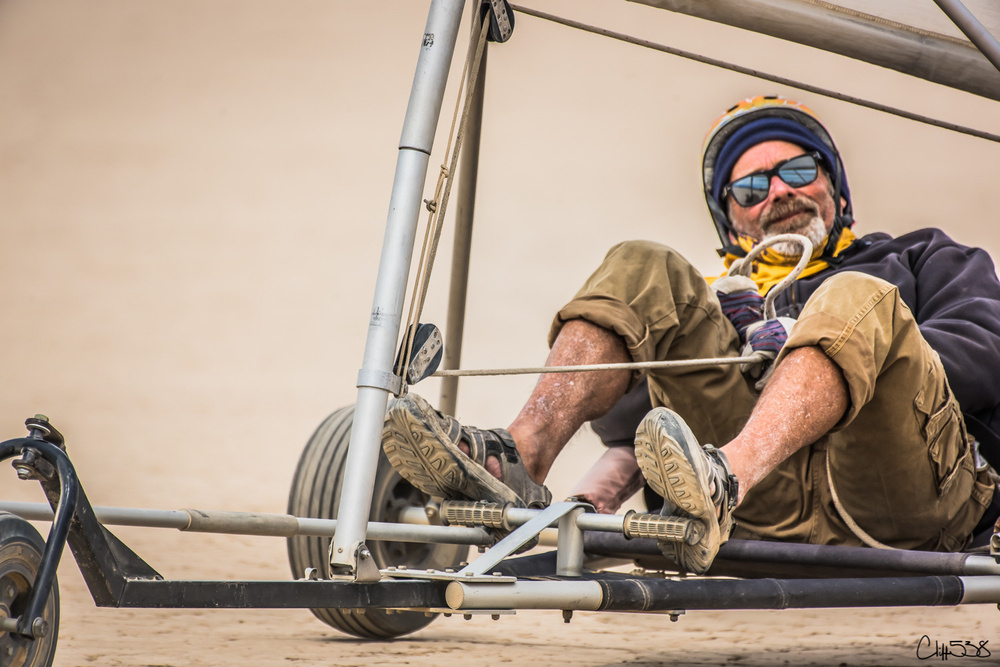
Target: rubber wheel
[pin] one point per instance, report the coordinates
(21, 550)
(316, 493)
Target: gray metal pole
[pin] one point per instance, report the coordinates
(375, 377)
(259, 524)
(569, 556)
(850, 33)
(973, 29)
(583, 595)
(468, 172)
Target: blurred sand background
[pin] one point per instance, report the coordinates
(193, 196)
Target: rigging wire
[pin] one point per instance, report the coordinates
(437, 206)
(757, 73)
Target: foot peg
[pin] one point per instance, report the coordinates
(675, 528)
(471, 514)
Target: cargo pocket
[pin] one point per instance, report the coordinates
(948, 445)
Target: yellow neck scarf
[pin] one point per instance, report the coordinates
(771, 267)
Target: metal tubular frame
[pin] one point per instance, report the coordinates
(118, 577)
(944, 61)
(569, 550)
(667, 595)
(973, 29)
(63, 496)
(415, 144)
(465, 208)
(263, 525)
(602, 537)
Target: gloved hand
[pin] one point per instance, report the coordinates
(766, 337)
(741, 303)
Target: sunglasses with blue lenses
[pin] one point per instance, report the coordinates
(752, 189)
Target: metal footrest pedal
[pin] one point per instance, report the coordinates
(473, 514)
(674, 528)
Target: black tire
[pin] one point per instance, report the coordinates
(21, 550)
(316, 493)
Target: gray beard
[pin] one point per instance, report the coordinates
(815, 231)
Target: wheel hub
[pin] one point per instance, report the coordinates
(19, 562)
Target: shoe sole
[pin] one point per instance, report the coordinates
(663, 449)
(421, 451)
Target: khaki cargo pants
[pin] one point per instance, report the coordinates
(900, 461)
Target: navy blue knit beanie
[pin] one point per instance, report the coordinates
(772, 128)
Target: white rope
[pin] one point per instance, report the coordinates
(744, 267)
(438, 205)
(858, 531)
(633, 365)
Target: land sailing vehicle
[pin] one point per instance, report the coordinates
(397, 558)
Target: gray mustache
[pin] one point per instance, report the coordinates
(782, 209)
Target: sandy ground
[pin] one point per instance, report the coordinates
(194, 196)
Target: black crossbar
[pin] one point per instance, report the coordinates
(315, 594)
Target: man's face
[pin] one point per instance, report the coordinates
(807, 210)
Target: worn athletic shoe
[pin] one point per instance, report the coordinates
(422, 445)
(693, 480)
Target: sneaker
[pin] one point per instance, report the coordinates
(422, 445)
(694, 481)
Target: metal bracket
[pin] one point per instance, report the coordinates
(380, 380)
(449, 575)
(365, 569)
(517, 539)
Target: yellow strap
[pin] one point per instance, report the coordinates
(772, 266)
